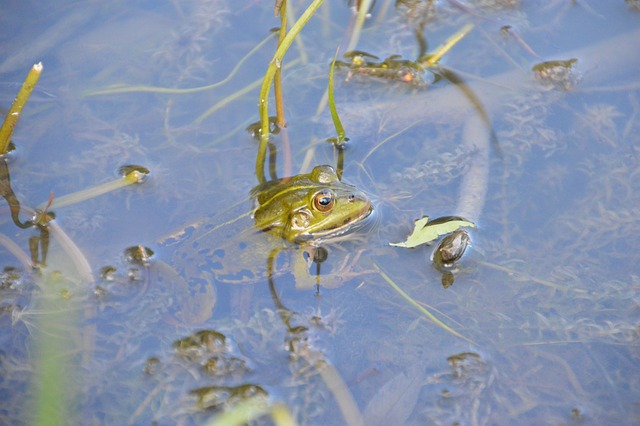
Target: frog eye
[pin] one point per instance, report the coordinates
(323, 201)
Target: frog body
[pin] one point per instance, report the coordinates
(309, 206)
(296, 210)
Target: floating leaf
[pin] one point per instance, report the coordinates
(425, 231)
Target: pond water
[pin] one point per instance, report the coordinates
(541, 323)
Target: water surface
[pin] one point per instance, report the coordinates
(546, 298)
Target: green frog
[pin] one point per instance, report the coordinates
(309, 206)
(301, 209)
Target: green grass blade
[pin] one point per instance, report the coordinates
(421, 308)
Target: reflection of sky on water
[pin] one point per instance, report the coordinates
(547, 292)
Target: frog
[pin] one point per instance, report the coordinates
(309, 206)
(288, 214)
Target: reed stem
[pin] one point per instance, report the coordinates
(276, 63)
(277, 82)
(16, 108)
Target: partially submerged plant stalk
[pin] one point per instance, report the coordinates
(281, 122)
(130, 175)
(16, 108)
(277, 81)
(418, 306)
(433, 58)
(355, 28)
(332, 106)
(363, 10)
(263, 101)
(237, 95)
(338, 142)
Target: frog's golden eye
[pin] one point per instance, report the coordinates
(323, 201)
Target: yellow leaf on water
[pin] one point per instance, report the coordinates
(424, 231)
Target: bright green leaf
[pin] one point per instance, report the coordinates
(425, 231)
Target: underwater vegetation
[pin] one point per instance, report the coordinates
(378, 212)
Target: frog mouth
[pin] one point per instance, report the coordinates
(340, 227)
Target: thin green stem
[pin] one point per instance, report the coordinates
(96, 191)
(236, 95)
(266, 84)
(277, 82)
(123, 88)
(363, 10)
(416, 305)
(332, 105)
(446, 46)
